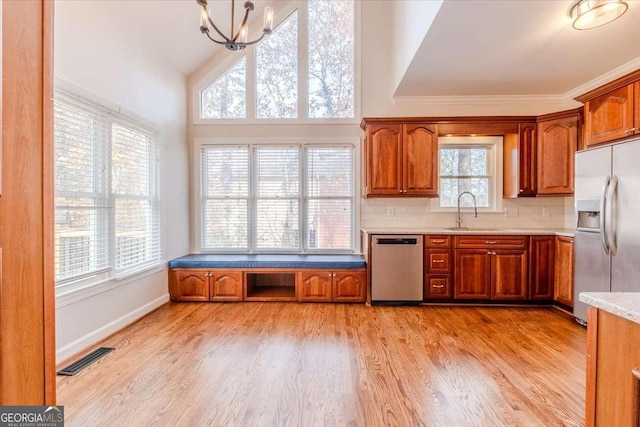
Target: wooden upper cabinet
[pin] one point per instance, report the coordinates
(527, 160)
(384, 160)
(420, 160)
(636, 106)
(557, 144)
(610, 116)
(401, 159)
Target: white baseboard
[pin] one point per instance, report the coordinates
(99, 334)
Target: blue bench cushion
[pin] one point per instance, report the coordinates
(268, 261)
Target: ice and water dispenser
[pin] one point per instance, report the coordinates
(588, 215)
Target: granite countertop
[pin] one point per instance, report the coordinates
(622, 304)
(479, 231)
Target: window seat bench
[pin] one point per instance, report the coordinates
(268, 277)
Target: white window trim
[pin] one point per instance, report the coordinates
(228, 58)
(274, 142)
(496, 202)
(95, 283)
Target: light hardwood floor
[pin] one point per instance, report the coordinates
(276, 364)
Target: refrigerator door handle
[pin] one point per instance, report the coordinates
(603, 215)
(611, 216)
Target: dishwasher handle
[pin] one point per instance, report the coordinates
(397, 241)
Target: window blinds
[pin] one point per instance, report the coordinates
(106, 192)
(81, 152)
(284, 198)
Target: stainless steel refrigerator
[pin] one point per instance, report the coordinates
(607, 239)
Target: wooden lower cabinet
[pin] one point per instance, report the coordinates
(541, 267)
(509, 274)
(472, 274)
(225, 286)
(205, 285)
(613, 374)
(563, 277)
(350, 286)
(315, 286)
(189, 285)
(496, 274)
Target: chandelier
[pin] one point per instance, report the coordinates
(237, 41)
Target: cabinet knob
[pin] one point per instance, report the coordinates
(632, 130)
(521, 190)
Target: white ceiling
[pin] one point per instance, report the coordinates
(171, 28)
(514, 47)
(474, 47)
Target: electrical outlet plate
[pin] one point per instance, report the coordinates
(389, 211)
(511, 212)
(545, 211)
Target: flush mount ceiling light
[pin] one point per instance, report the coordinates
(587, 14)
(237, 41)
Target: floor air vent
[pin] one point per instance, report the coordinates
(87, 360)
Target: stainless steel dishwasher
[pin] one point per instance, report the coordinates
(396, 269)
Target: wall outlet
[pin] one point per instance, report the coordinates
(389, 211)
(545, 212)
(511, 212)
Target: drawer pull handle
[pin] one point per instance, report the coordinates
(437, 241)
(490, 242)
(437, 286)
(437, 261)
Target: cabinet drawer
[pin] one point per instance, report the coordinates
(433, 241)
(437, 287)
(438, 261)
(481, 242)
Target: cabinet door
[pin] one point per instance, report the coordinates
(225, 286)
(350, 286)
(472, 274)
(541, 267)
(509, 274)
(563, 282)
(384, 152)
(557, 144)
(190, 285)
(420, 160)
(437, 286)
(315, 286)
(609, 116)
(527, 160)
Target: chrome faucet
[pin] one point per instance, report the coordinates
(475, 208)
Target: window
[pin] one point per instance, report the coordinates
(106, 173)
(293, 198)
(226, 97)
(469, 164)
(331, 59)
(320, 86)
(277, 72)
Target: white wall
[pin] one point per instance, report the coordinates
(411, 19)
(93, 56)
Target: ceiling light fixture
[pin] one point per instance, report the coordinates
(237, 41)
(587, 14)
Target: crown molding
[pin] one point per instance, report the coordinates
(479, 100)
(605, 78)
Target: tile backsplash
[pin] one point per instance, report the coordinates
(547, 212)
